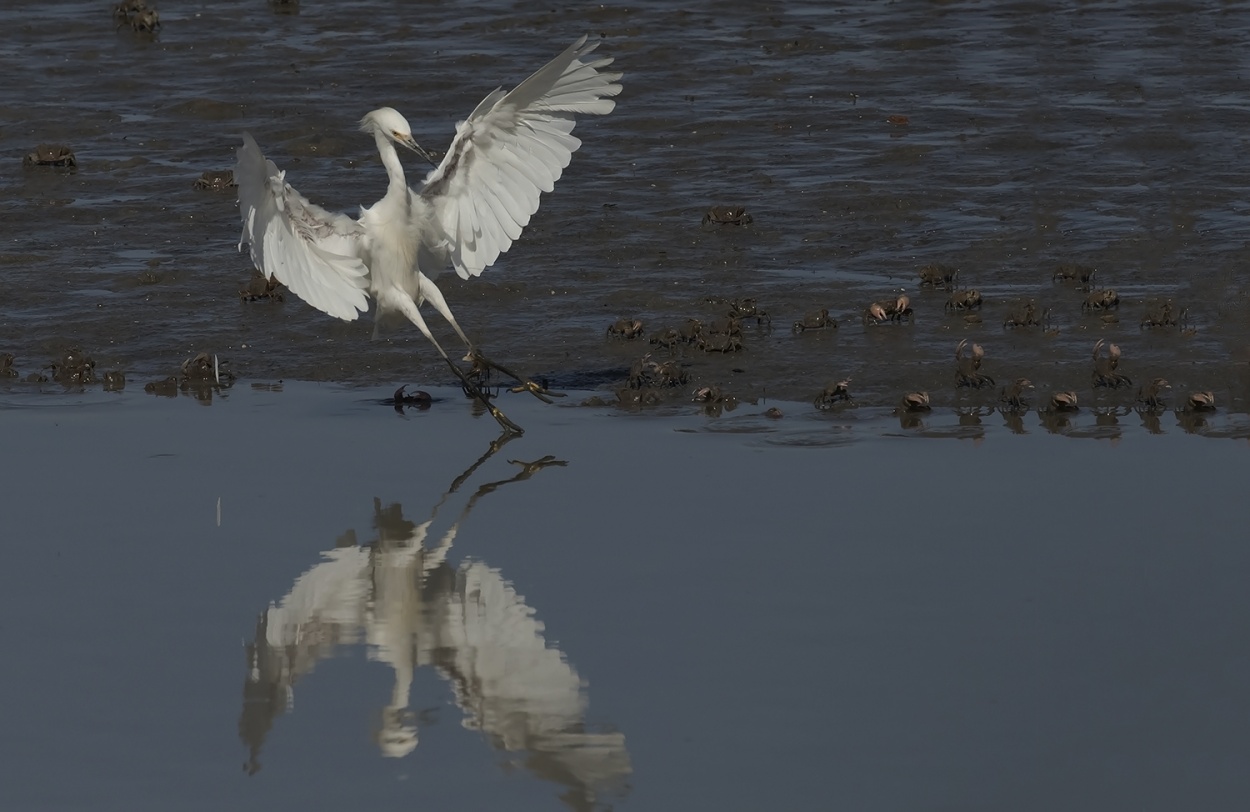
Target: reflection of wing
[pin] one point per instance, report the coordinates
(322, 610)
(327, 602)
(313, 252)
(522, 694)
(512, 148)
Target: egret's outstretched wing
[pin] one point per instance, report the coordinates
(313, 252)
(512, 148)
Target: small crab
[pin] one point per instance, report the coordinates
(1105, 374)
(902, 308)
(897, 309)
(216, 181)
(1203, 401)
(114, 380)
(1150, 396)
(1064, 401)
(720, 342)
(261, 287)
(964, 300)
(1013, 396)
(201, 367)
(669, 373)
(639, 372)
(708, 394)
(50, 155)
(124, 9)
(730, 325)
(167, 388)
(876, 313)
(690, 331)
(1105, 299)
(748, 308)
(714, 400)
(835, 392)
(1187, 330)
(419, 399)
(937, 275)
(815, 320)
(727, 215)
(1159, 315)
(73, 368)
(915, 402)
(967, 366)
(145, 21)
(1023, 314)
(627, 329)
(1075, 273)
(666, 339)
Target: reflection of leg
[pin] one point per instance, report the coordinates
(400, 301)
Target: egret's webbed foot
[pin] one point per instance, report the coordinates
(474, 391)
(482, 367)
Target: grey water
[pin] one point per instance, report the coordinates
(284, 593)
(298, 598)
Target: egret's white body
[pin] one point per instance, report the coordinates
(468, 211)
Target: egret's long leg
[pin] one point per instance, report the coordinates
(402, 302)
(430, 293)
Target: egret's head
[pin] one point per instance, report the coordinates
(387, 122)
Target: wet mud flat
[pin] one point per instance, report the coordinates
(864, 141)
(292, 594)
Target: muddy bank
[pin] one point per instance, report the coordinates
(865, 142)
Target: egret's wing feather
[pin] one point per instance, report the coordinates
(510, 150)
(315, 253)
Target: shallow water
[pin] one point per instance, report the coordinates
(1096, 133)
(300, 597)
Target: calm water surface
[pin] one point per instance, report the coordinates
(300, 598)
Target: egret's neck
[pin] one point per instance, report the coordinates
(394, 169)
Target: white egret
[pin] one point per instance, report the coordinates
(468, 211)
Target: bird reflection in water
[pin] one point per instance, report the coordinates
(413, 608)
